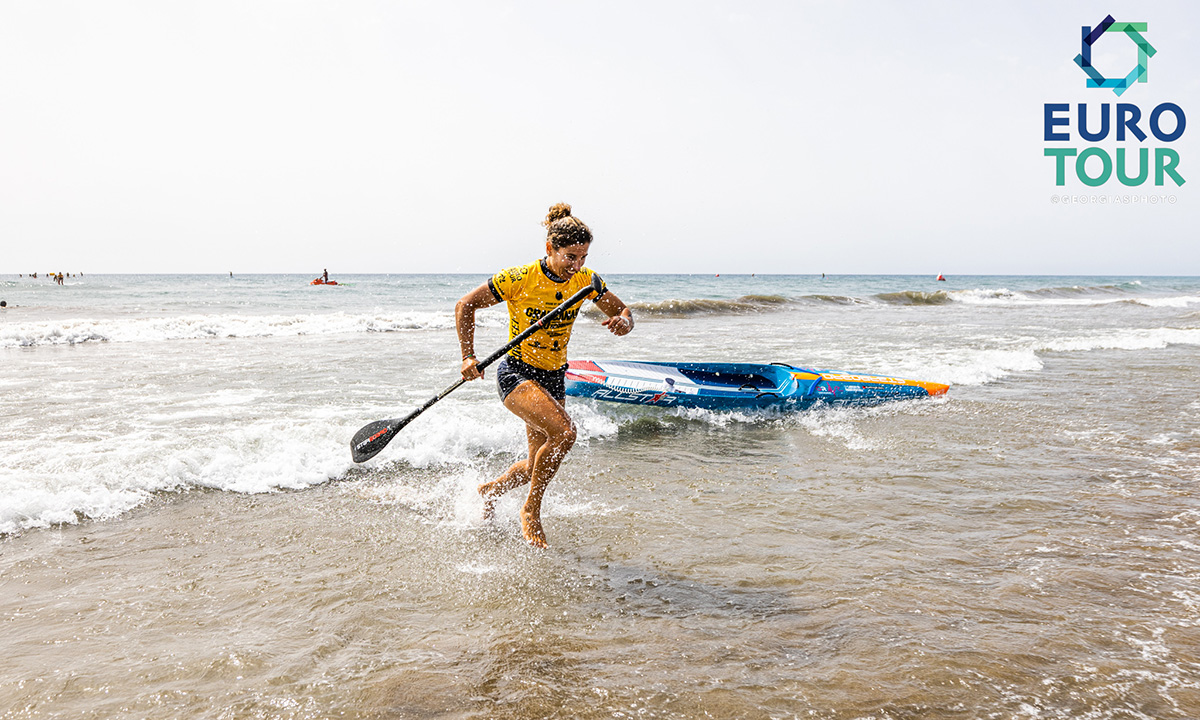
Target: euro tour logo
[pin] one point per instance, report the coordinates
(1127, 122)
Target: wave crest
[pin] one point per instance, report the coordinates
(833, 299)
(915, 297)
(703, 306)
(1082, 290)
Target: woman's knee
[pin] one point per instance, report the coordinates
(562, 436)
(567, 438)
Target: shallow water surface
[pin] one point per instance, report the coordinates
(186, 537)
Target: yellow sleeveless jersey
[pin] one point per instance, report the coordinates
(531, 292)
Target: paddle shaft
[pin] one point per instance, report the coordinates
(373, 437)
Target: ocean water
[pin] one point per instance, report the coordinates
(184, 535)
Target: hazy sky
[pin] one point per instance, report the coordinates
(697, 136)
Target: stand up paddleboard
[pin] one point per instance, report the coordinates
(734, 386)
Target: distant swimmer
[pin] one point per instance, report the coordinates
(3, 303)
(532, 376)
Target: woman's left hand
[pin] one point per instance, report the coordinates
(619, 324)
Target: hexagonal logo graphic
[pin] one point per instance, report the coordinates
(1133, 31)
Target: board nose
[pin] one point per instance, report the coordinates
(932, 388)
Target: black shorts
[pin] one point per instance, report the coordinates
(511, 372)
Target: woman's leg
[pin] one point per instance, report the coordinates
(516, 475)
(545, 415)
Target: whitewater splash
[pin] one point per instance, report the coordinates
(205, 327)
(98, 479)
(226, 447)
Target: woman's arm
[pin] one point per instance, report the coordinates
(464, 322)
(620, 318)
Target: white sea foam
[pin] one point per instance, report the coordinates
(198, 327)
(455, 434)
(1124, 339)
(969, 365)
(1078, 296)
(839, 424)
(1180, 301)
(261, 457)
(974, 365)
(477, 568)
(110, 475)
(38, 500)
(722, 418)
(981, 296)
(463, 432)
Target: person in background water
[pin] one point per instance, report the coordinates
(532, 376)
(325, 276)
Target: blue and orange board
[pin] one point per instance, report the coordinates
(734, 386)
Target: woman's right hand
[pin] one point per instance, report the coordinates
(464, 325)
(470, 369)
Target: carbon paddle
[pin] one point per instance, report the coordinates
(375, 436)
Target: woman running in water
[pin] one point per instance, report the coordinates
(532, 375)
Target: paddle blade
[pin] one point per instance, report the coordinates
(372, 438)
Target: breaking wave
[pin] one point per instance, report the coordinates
(689, 308)
(196, 327)
(916, 297)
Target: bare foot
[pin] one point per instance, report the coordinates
(489, 501)
(531, 528)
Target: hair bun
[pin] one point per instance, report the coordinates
(557, 212)
(563, 228)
